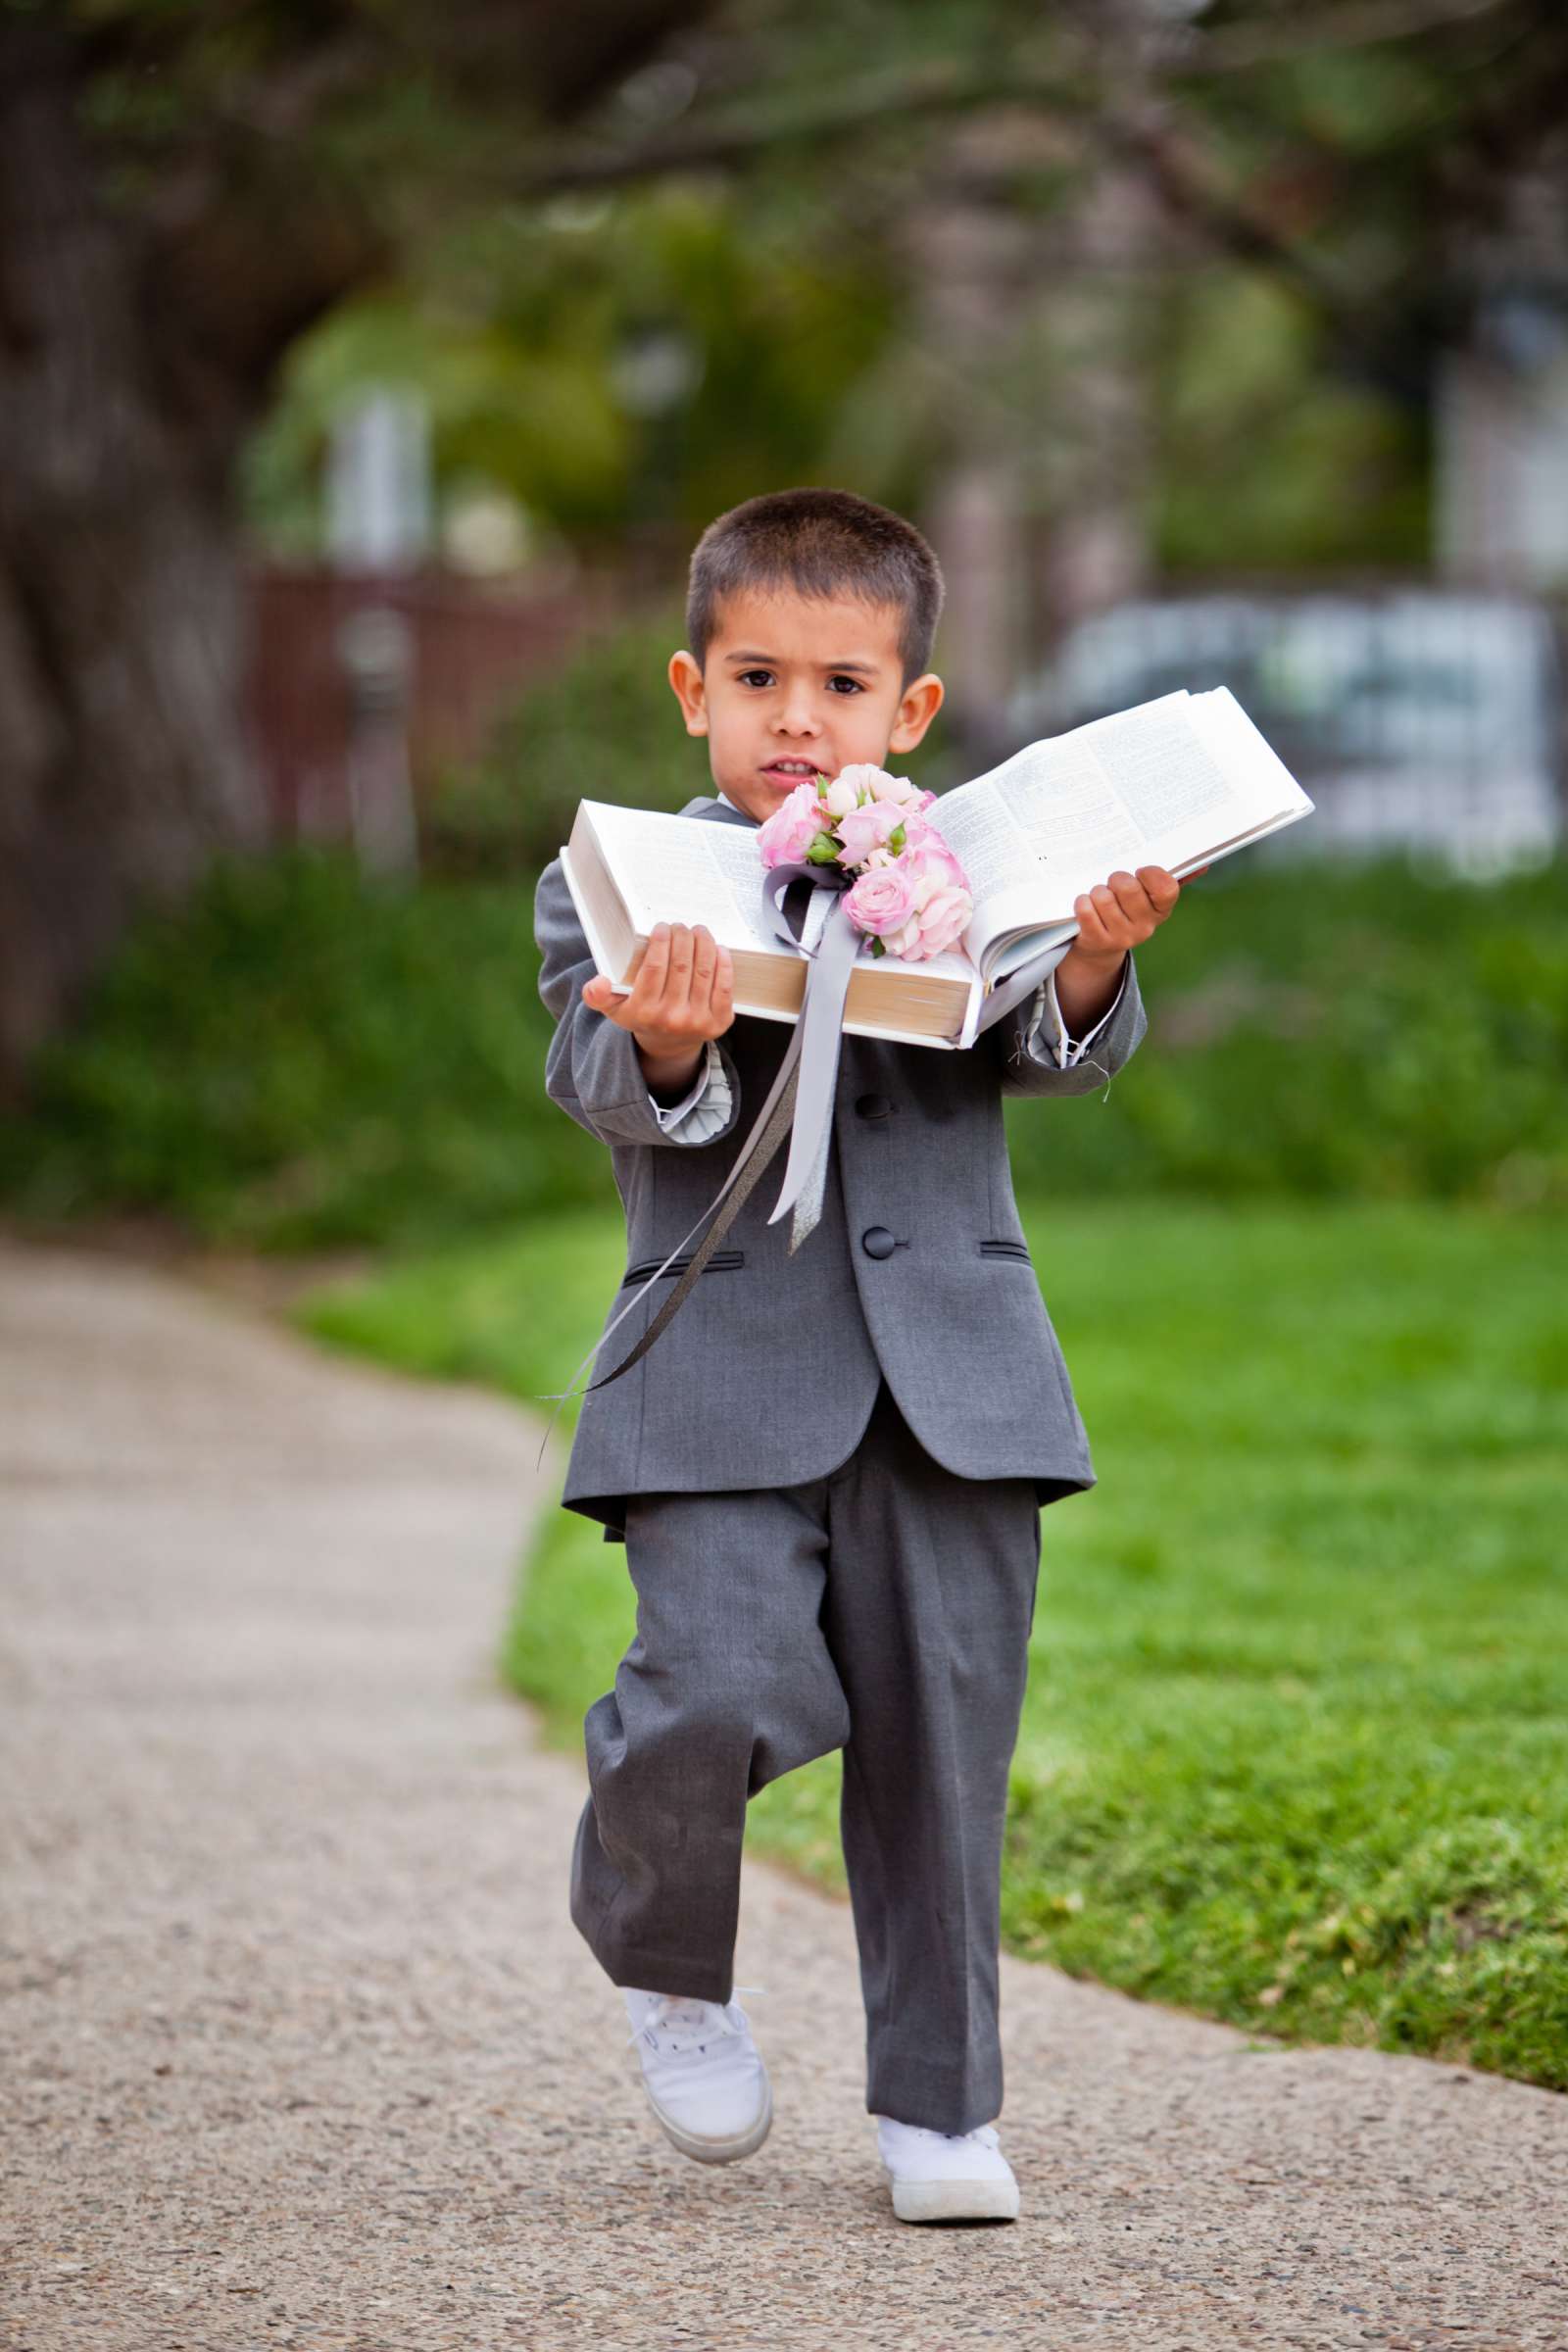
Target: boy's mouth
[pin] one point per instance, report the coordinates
(792, 771)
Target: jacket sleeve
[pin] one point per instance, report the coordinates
(591, 1070)
(1026, 1041)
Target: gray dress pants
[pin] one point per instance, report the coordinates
(885, 1609)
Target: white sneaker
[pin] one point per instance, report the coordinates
(703, 2073)
(947, 2176)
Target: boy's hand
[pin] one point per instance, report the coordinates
(683, 993)
(1113, 918)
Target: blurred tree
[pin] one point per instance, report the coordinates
(638, 364)
(993, 199)
(1097, 291)
(1092, 214)
(183, 189)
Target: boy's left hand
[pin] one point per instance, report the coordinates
(1123, 912)
(1113, 917)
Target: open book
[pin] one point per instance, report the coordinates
(1178, 782)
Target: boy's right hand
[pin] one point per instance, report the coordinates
(683, 993)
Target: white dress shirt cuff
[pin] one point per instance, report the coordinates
(1045, 1038)
(703, 1112)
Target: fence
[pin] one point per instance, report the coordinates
(471, 647)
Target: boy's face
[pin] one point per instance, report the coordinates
(798, 685)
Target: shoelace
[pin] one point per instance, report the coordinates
(656, 2025)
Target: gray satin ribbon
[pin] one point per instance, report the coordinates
(800, 1099)
(822, 1024)
(751, 1163)
(821, 1029)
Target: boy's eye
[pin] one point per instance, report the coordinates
(765, 678)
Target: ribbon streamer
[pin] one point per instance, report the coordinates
(801, 1098)
(751, 1164)
(821, 1029)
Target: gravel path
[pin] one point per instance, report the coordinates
(300, 2046)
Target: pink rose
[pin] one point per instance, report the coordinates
(943, 919)
(841, 796)
(924, 842)
(792, 828)
(939, 903)
(918, 828)
(880, 901)
(866, 829)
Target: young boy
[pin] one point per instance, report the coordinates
(828, 1471)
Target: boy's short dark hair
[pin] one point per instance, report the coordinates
(827, 543)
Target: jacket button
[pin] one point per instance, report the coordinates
(872, 1107)
(877, 1242)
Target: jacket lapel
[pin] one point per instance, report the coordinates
(720, 812)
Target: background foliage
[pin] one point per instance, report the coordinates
(297, 1062)
(763, 192)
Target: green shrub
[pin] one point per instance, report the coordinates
(1371, 1031)
(605, 727)
(297, 1060)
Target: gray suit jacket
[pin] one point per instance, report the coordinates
(918, 1271)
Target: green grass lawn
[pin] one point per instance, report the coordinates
(1294, 1752)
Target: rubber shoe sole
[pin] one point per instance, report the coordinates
(717, 2151)
(956, 2200)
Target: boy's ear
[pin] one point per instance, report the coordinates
(687, 680)
(918, 705)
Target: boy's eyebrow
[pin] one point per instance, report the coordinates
(751, 655)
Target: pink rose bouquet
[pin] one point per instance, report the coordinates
(909, 897)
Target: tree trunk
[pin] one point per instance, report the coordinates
(122, 765)
(1037, 509)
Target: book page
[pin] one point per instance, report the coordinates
(676, 870)
(983, 838)
(1034, 833)
(1075, 820)
(1164, 784)
(681, 869)
(1019, 947)
(1248, 756)
(1176, 793)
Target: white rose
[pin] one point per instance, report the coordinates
(893, 788)
(841, 794)
(861, 776)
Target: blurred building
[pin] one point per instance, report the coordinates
(376, 670)
(1416, 719)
